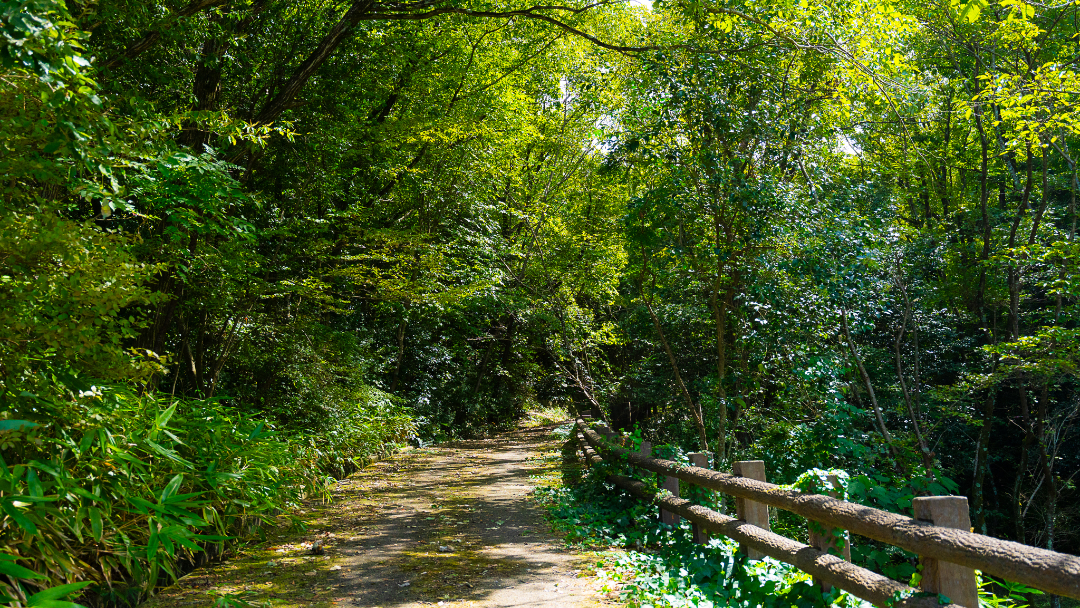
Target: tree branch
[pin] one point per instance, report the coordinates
(528, 13)
(148, 40)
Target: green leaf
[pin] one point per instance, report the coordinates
(171, 489)
(14, 570)
(13, 512)
(55, 593)
(144, 506)
(163, 417)
(170, 454)
(17, 425)
(34, 484)
(95, 523)
(970, 12)
(57, 604)
(87, 495)
(152, 542)
(37, 464)
(257, 431)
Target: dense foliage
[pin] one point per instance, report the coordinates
(650, 564)
(247, 244)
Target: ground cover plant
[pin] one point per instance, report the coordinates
(650, 564)
(113, 493)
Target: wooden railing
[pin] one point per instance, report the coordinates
(949, 552)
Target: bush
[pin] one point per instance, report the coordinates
(122, 490)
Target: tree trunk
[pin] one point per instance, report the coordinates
(1021, 469)
(982, 453)
(400, 354)
(206, 87)
(984, 200)
(207, 84)
(694, 409)
(720, 313)
(330, 42)
(924, 449)
(866, 381)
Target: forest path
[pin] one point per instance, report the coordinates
(449, 525)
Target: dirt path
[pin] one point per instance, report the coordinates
(450, 525)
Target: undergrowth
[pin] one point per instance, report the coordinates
(107, 493)
(543, 415)
(651, 564)
(654, 565)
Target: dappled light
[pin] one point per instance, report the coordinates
(292, 291)
(451, 524)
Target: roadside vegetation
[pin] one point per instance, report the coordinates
(649, 564)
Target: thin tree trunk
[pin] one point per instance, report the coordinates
(866, 382)
(984, 197)
(924, 449)
(720, 313)
(982, 454)
(1021, 470)
(575, 375)
(1046, 464)
(342, 30)
(400, 354)
(695, 410)
(1072, 234)
(687, 399)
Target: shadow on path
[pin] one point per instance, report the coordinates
(449, 525)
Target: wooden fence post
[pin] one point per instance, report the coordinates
(753, 513)
(581, 443)
(951, 580)
(605, 430)
(671, 484)
(701, 460)
(824, 541)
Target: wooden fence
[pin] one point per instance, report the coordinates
(949, 552)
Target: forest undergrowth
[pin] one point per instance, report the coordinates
(648, 564)
(117, 493)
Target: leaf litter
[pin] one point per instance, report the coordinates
(413, 530)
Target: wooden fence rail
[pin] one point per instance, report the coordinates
(948, 554)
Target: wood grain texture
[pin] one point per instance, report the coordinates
(860, 582)
(699, 459)
(956, 582)
(1049, 571)
(752, 512)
